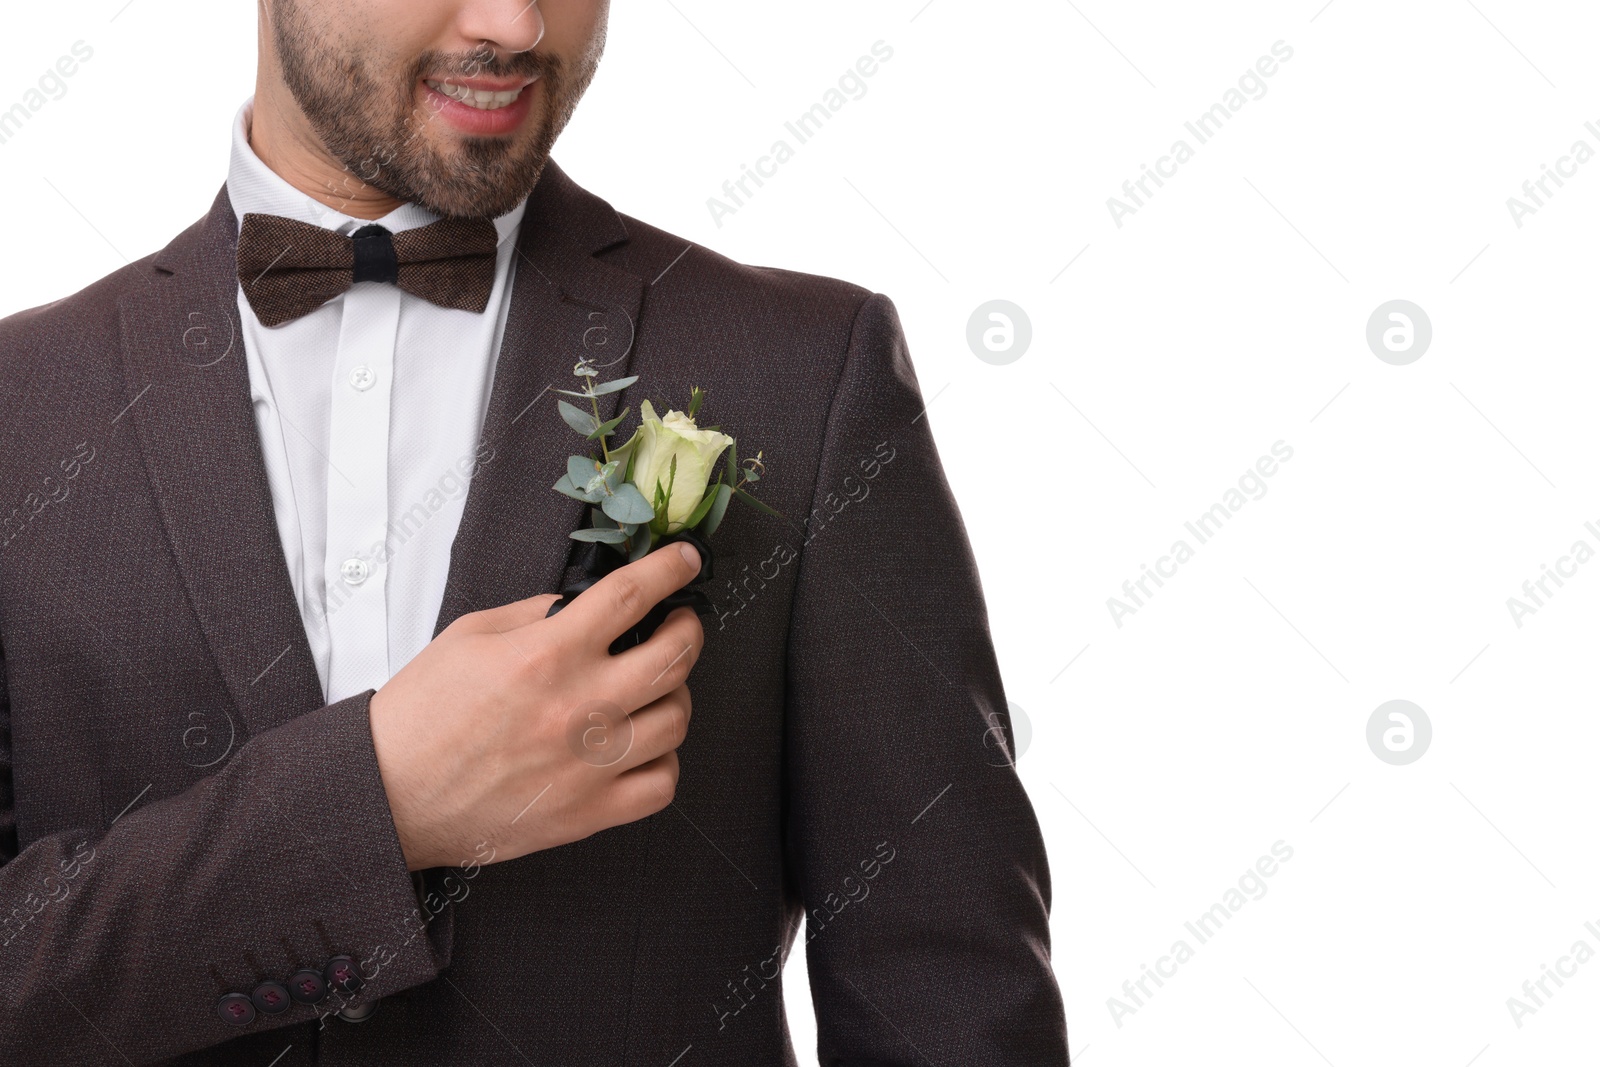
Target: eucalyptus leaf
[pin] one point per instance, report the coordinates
(612, 473)
(753, 502)
(640, 544)
(614, 387)
(606, 427)
(605, 535)
(581, 469)
(577, 418)
(627, 504)
(566, 488)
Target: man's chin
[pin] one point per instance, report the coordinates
(458, 186)
(457, 201)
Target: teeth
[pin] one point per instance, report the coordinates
(482, 99)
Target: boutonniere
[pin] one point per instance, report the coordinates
(671, 481)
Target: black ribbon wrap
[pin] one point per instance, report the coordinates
(598, 560)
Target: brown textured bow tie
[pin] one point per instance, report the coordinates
(289, 268)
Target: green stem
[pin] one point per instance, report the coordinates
(594, 405)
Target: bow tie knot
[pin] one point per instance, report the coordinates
(289, 268)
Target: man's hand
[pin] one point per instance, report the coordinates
(525, 732)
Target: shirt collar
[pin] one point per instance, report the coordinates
(255, 187)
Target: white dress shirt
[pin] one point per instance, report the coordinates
(369, 410)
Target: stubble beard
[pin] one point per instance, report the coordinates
(369, 121)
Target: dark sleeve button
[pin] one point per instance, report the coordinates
(271, 997)
(359, 1014)
(342, 974)
(307, 986)
(236, 1008)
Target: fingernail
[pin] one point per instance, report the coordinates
(689, 554)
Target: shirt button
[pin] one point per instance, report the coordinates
(354, 570)
(362, 377)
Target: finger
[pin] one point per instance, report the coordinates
(658, 728)
(649, 787)
(647, 672)
(607, 609)
(517, 613)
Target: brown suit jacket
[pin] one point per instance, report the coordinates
(182, 817)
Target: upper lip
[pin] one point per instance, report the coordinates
(488, 85)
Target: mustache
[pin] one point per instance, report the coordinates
(486, 62)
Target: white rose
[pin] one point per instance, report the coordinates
(653, 447)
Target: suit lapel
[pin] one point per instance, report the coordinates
(189, 388)
(565, 304)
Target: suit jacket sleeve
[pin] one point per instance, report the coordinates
(122, 939)
(914, 845)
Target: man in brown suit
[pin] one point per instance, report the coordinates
(240, 824)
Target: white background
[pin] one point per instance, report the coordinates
(1227, 314)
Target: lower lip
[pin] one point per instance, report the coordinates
(477, 121)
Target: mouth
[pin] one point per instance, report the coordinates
(484, 99)
(481, 107)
